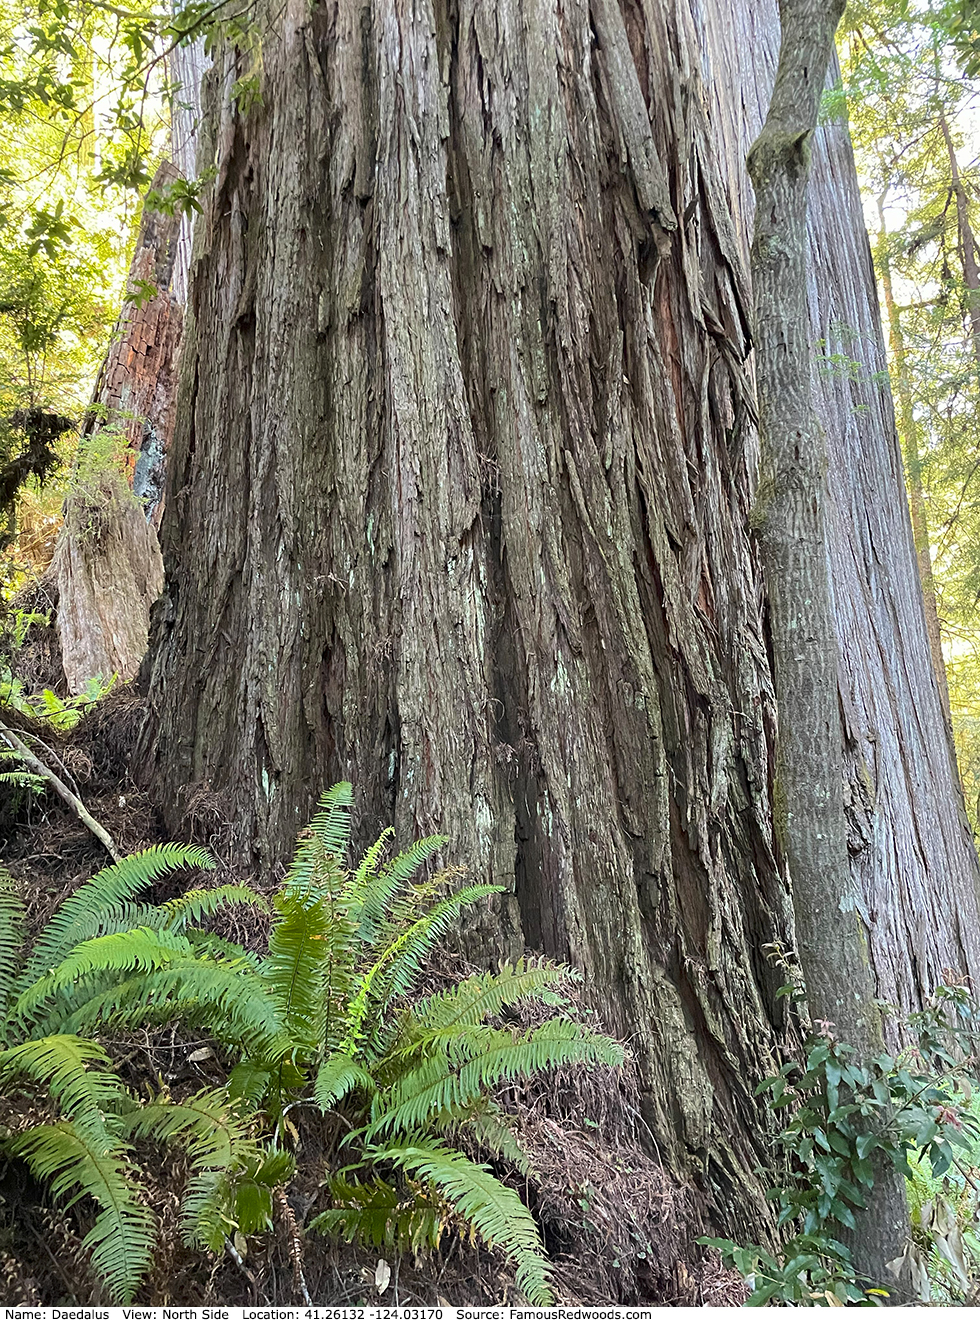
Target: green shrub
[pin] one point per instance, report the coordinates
(843, 1117)
(328, 1009)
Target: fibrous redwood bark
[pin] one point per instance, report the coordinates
(460, 494)
(912, 853)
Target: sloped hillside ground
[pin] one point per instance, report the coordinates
(616, 1229)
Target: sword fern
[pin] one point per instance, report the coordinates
(47, 997)
(325, 1019)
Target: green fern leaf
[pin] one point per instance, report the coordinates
(493, 1130)
(337, 1077)
(249, 1081)
(367, 868)
(331, 825)
(72, 1070)
(100, 905)
(485, 994)
(188, 909)
(12, 934)
(207, 1126)
(474, 1062)
(495, 1212)
(395, 971)
(322, 847)
(79, 1157)
(377, 889)
(205, 1219)
(228, 996)
(375, 1213)
(295, 969)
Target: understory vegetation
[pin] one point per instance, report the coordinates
(326, 1020)
(917, 1110)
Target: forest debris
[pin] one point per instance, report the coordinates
(59, 786)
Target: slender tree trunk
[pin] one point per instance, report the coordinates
(911, 848)
(967, 240)
(811, 826)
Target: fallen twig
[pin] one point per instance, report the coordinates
(59, 786)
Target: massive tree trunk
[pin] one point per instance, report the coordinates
(459, 503)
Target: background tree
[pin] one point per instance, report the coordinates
(832, 930)
(911, 109)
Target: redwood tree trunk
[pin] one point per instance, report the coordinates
(459, 496)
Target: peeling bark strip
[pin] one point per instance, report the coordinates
(460, 491)
(811, 828)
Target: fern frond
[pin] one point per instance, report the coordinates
(72, 1070)
(204, 1212)
(484, 994)
(337, 1077)
(368, 866)
(394, 973)
(331, 824)
(78, 1157)
(321, 847)
(188, 909)
(217, 1202)
(207, 1126)
(295, 968)
(12, 936)
(210, 944)
(475, 1061)
(138, 949)
(375, 1213)
(226, 995)
(377, 889)
(495, 1212)
(249, 1081)
(493, 1131)
(100, 904)
(24, 780)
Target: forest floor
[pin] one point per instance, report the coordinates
(617, 1230)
